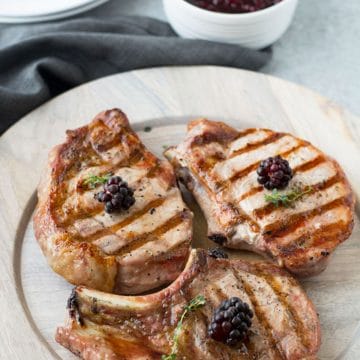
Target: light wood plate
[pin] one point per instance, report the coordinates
(32, 297)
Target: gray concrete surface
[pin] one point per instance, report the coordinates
(321, 49)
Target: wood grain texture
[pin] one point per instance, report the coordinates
(32, 297)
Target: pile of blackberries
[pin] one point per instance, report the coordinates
(116, 195)
(274, 173)
(230, 322)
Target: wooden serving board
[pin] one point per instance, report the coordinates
(33, 298)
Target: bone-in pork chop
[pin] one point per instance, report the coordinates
(218, 164)
(284, 324)
(131, 251)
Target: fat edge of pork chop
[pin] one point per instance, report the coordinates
(130, 252)
(285, 324)
(218, 165)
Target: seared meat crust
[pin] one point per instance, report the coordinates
(218, 165)
(285, 324)
(128, 252)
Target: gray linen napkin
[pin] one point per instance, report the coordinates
(40, 61)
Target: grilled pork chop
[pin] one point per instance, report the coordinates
(285, 324)
(127, 252)
(218, 164)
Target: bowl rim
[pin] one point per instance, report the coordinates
(228, 16)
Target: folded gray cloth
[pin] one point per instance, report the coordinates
(40, 61)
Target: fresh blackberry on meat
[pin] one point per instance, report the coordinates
(274, 173)
(230, 322)
(217, 253)
(116, 196)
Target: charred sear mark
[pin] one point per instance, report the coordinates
(256, 145)
(73, 307)
(207, 138)
(218, 238)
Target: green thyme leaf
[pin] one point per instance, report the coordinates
(196, 303)
(287, 199)
(169, 357)
(92, 181)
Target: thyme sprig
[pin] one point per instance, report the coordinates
(287, 199)
(196, 303)
(92, 181)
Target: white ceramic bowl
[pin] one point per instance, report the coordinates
(254, 30)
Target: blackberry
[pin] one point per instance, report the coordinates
(217, 253)
(116, 195)
(274, 173)
(230, 322)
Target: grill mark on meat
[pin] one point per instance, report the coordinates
(309, 164)
(245, 171)
(216, 292)
(141, 320)
(221, 138)
(237, 217)
(297, 324)
(210, 137)
(95, 149)
(245, 132)
(250, 342)
(240, 174)
(252, 167)
(269, 208)
(325, 234)
(258, 189)
(74, 157)
(249, 193)
(121, 346)
(255, 190)
(302, 235)
(142, 239)
(219, 295)
(233, 183)
(335, 229)
(107, 146)
(135, 157)
(127, 221)
(206, 164)
(77, 214)
(111, 230)
(287, 153)
(88, 152)
(281, 228)
(153, 171)
(253, 146)
(242, 217)
(260, 315)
